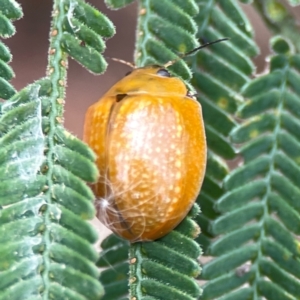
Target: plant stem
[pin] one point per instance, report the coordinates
(135, 273)
(56, 71)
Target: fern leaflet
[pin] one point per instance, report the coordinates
(257, 252)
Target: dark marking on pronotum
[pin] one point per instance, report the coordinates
(120, 97)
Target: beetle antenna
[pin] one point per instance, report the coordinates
(205, 45)
(124, 62)
(171, 62)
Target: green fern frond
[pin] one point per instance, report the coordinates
(9, 11)
(166, 268)
(46, 243)
(84, 31)
(257, 253)
(114, 258)
(164, 30)
(221, 69)
(219, 73)
(68, 162)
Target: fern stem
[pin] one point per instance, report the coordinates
(142, 33)
(135, 272)
(56, 71)
(272, 169)
(57, 59)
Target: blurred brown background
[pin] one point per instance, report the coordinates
(29, 48)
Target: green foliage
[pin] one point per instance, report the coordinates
(166, 268)
(260, 215)
(219, 73)
(114, 258)
(163, 269)
(249, 212)
(84, 29)
(41, 226)
(9, 11)
(164, 30)
(250, 218)
(46, 242)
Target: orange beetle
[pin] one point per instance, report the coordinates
(150, 141)
(148, 134)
